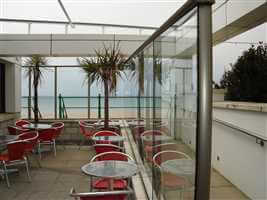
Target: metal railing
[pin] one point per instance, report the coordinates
(259, 139)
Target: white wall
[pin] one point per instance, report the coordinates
(237, 156)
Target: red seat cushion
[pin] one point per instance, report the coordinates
(104, 184)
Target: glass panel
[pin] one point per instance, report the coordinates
(46, 99)
(24, 93)
(74, 91)
(166, 138)
(175, 83)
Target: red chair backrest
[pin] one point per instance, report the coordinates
(59, 126)
(113, 129)
(106, 197)
(105, 133)
(47, 134)
(20, 123)
(16, 150)
(163, 156)
(111, 156)
(102, 148)
(31, 138)
(13, 130)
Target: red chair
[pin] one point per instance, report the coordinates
(151, 132)
(107, 195)
(87, 131)
(152, 150)
(15, 130)
(105, 133)
(14, 156)
(31, 138)
(102, 148)
(169, 181)
(59, 126)
(104, 183)
(47, 137)
(21, 122)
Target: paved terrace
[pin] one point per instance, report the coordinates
(58, 174)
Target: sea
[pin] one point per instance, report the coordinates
(77, 107)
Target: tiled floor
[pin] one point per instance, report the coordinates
(58, 174)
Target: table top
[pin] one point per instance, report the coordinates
(37, 126)
(151, 138)
(108, 138)
(179, 166)
(110, 169)
(4, 139)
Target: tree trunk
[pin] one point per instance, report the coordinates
(35, 99)
(106, 105)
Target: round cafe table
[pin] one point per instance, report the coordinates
(110, 169)
(37, 126)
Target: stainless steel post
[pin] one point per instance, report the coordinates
(30, 97)
(89, 97)
(204, 114)
(55, 90)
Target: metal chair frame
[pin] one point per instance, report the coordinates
(15, 162)
(29, 140)
(85, 126)
(160, 169)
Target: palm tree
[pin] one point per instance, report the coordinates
(35, 64)
(105, 68)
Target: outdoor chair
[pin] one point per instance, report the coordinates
(150, 151)
(31, 139)
(87, 131)
(168, 181)
(59, 126)
(105, 133)
(47, 137)
(102, 148)
(151, 132)
(15, 130)
(103, 183)
(106, 195)
(21, 122)
(15, 156)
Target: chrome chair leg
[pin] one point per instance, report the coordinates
(6, 175)
(55, 149)
(39, 151)
(27, 168)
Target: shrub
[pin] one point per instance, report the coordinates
(247, 80)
